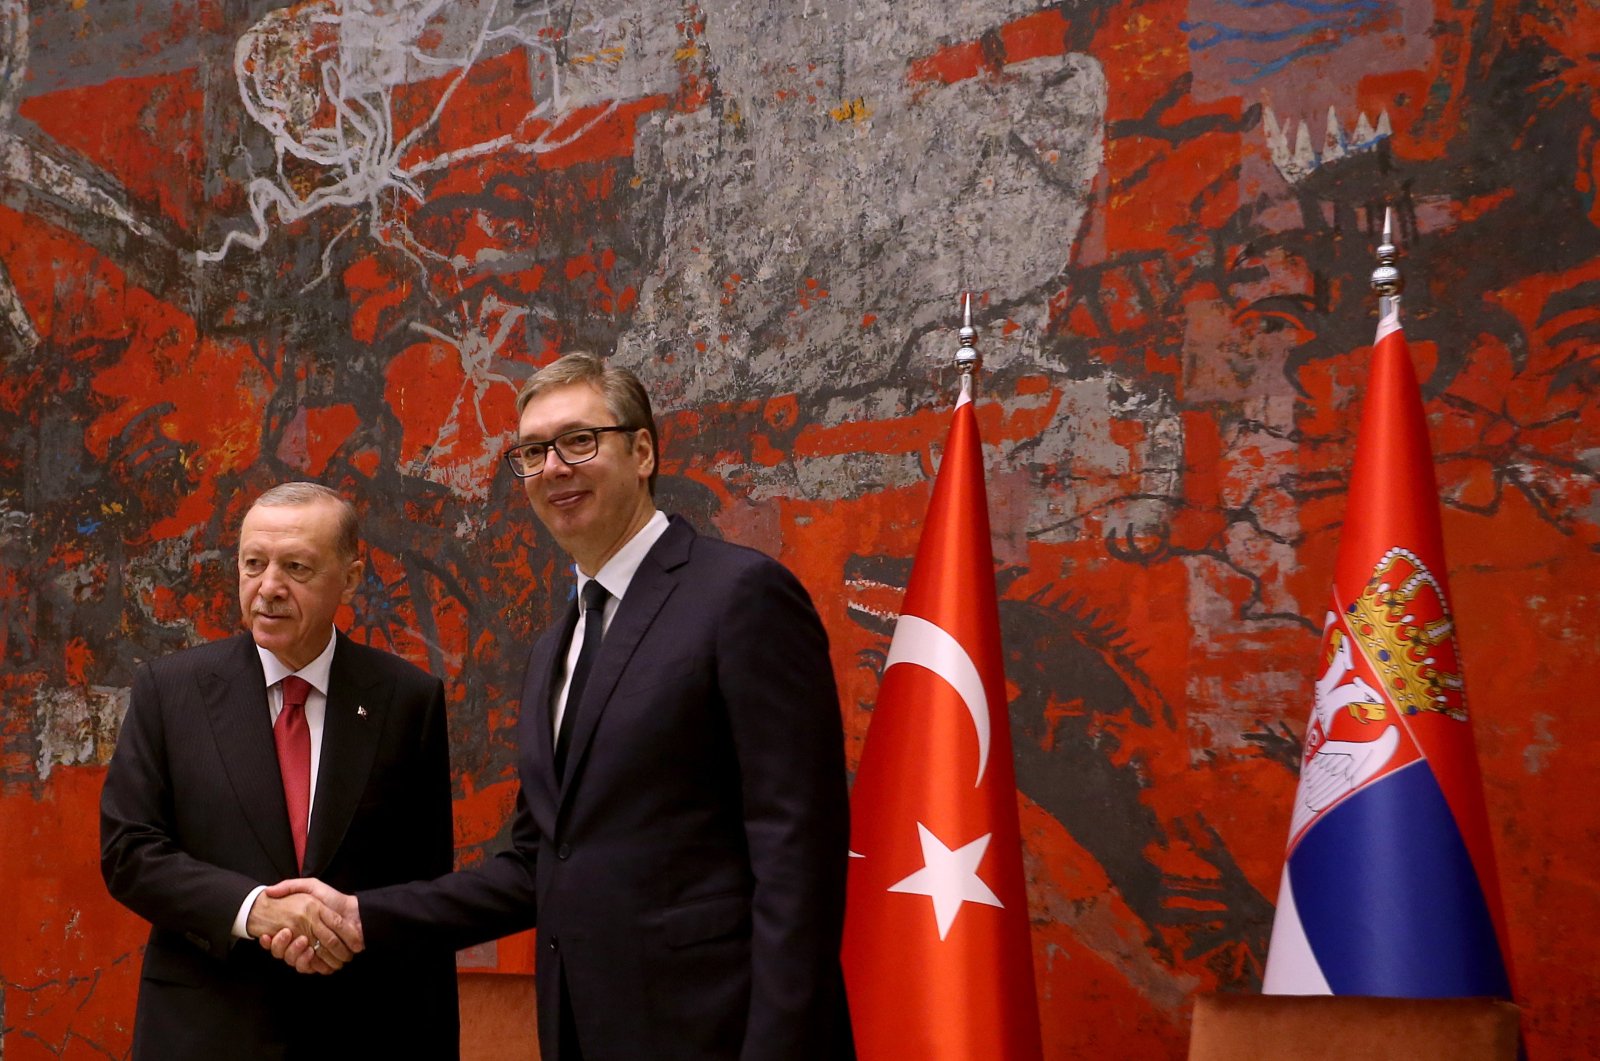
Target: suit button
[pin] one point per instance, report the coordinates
(553, 945)
(563, 852)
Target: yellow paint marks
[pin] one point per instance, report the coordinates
(688, 51)
(855, 110)
(612, 55)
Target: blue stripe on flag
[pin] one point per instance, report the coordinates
(1389, 899)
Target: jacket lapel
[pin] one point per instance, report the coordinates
(652, 584)
(235, 695)
(535, 719)
(359, 704)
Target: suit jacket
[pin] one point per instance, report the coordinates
(688, 876)
(192, 817)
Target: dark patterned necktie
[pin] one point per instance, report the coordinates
(594, 628)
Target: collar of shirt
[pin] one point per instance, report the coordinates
(315, 672)
(615, 576)
(618, 571)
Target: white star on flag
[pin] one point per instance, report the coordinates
(949, 878)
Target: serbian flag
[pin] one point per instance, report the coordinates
(1389, 885)
(936, 951)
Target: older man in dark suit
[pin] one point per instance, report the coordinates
(681, 831)
(285, 750)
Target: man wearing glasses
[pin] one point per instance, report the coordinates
(682, 826)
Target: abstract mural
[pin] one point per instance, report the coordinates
(243, 241)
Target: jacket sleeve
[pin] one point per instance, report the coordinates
(462, 908)
(141, 859)
(777, 682)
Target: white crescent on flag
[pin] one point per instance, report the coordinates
(924, 644)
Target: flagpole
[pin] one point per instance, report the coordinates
(968, 360)
(1386, 278)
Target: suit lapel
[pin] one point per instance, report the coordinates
(652, 584)
(359, 704)
(235, 695)
(535, 716)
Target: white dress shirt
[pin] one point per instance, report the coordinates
(615, 576)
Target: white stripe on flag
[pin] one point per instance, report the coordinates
(1292, 968)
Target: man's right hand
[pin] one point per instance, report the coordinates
(309, 925)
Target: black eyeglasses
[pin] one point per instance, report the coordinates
(573, 447)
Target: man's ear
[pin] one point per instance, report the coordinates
(645, 453)
(352, 579)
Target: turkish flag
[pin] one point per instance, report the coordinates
(936, 951)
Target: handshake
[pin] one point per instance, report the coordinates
(307, 924)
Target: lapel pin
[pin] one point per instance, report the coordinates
(361, 712)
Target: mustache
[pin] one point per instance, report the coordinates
(270, 613)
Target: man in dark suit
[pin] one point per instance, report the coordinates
(682, 826)
(285, 750)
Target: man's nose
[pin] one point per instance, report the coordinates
(555, 463)
(272, 582)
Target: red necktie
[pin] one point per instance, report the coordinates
(293, 738)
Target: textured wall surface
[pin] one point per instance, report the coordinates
(242, 242)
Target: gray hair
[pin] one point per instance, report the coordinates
(348, 541)
(625, 397)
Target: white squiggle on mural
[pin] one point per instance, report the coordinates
(342, 88)
(321, 79)
(477, 345)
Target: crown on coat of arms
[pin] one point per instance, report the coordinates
(1402, 622)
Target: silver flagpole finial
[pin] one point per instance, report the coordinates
(968, 359)
(1386, 278)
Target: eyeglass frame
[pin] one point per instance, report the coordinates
(555, 444)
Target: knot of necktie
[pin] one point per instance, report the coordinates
(295, 691)
(594, 600)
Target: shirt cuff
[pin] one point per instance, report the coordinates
(242, 920)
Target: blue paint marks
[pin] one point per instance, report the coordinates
(1319, 28)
